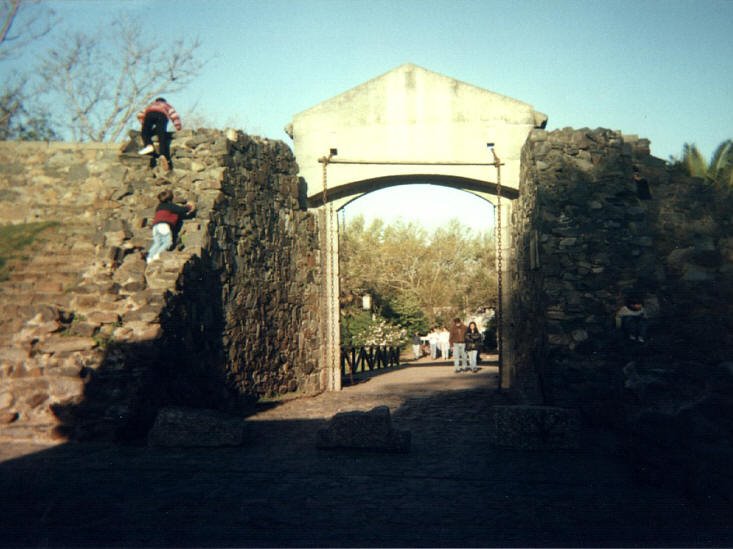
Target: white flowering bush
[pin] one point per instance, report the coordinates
(379, 332)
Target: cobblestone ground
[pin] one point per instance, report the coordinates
(452, 489)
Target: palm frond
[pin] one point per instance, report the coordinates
(693, 161)
(721, 161)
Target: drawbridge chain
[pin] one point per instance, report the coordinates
(329, 273)
(499, 267)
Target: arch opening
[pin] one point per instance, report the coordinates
(348, 192)
(436, 312)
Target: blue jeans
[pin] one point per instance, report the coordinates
(162, 240)
(634, 326)
(472, 359)
(460, 360)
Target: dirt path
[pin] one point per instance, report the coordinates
(452, 489)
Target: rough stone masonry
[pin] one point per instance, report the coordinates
(582, 237)
(93, 342)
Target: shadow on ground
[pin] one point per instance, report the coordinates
(452, 489)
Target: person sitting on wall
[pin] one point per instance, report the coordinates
(631, 318)
(168, 217)
(642, 185)
(154, 119)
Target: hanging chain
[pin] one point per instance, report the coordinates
(324, 161)
(327, 276)
(330, 266)
(499, 270)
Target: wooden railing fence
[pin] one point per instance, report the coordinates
(356, 360)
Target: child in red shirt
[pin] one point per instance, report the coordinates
(167, 217)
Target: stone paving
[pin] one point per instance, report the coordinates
(453, 489)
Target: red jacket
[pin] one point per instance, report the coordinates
(457, 333)
(168, 212)
(166, 108)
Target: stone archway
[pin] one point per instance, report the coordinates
(330, 248)
(351, 191)
(408, 125)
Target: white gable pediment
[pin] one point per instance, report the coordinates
(411, 114)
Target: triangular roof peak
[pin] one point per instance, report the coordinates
(413, 73)
(407, 67)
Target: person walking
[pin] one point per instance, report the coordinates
(473, 344)
(416, 349)
(154, 119)
(458, 342)
(433, 341)
(444, 342)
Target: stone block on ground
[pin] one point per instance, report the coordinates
(536, 427)
(359, 430)
(190, 427)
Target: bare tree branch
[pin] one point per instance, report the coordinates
(19, 26)
(102, 80)
(10, 10)
(17, 120)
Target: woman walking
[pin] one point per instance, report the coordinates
(473, 344)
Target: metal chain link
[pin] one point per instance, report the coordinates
(499, 273)
(329, 274)
(326, 275)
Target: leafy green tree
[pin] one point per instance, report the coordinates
(367, 329)
(410, 314)
(418, 278)
(354, 321)
(719, 171)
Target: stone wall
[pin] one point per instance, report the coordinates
(94, 340)
(582, 239)
(265, 249)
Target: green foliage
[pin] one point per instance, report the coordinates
(720, 169)
(409, 314)
(718, 172)
(353, 322)
(15, 238)
(489, 333)
(417, 278)
(366, 329)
